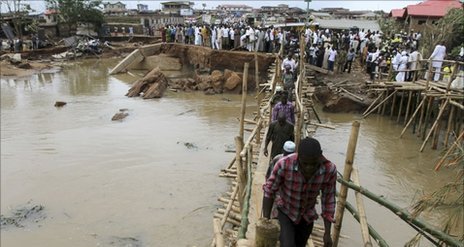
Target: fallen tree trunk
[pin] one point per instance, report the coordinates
(152, 85)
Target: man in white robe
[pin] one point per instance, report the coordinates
(436, 58)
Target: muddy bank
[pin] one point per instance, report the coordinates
(342, 92)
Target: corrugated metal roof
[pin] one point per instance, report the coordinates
(348, 23)
(435, 8)
(397, 13)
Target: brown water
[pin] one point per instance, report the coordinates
(100, 179)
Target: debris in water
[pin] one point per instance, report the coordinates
(119, 116)
(189, 145)
(60, 104)
(125, 242)
(182, 113)
(23, 215)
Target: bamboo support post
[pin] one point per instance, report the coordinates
(450, 122)
(390, 71)
(436, 134)
(228, 219)
(404, 214)
(229, 206)
(400, 108)
(245, 209)
(417, 101)
(375, 108)
(455, 144)
(434, 125)
(361, 211)
(315, 114)
(218, 237)
(392, 109)
(460, 106)
(413, 116)
(428, 112)
(240, 171)
(408, 106)
(372, 232)
(346, 175)
(373, 102)
(244, 95)
(422, 116)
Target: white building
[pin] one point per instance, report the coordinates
(234, 8)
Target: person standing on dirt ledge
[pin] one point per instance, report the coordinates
(299, 178)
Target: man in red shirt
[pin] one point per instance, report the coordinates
(299, 178)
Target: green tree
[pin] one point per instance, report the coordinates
(74, 12)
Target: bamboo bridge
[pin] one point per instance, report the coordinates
(236, 221)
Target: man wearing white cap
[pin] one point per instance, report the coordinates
(289, 148)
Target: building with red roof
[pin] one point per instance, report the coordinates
(417, 16)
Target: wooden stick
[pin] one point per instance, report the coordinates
(393, 106)
(228, 219)
(218, 237)
(240, 172)
(323, 125)
(436, 134)
(421, 117)
(362, 212)
(457, 104)
(244, 95)
(400, 108)
(450, 122)
(351, 94)
(232, 215)
(455, 144)
(434, 124)
(375, 108)
(315, 113)
(373, 102)
(408, 106)
(229, 206)
(413, 116)
(346, 175)
(427, 116)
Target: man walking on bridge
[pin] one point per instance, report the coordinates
(279, 132)
(298, 179)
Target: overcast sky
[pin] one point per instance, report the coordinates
(39, 5)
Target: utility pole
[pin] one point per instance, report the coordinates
(307, 11)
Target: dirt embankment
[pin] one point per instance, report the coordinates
(343, 92)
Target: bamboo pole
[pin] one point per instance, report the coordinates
(403, 214)
(408, 106)
(422, 116)
(450, 122)
(218, 237)
(417, 100)
(400, 108)
(457, 104)
(434, 125)
(436, 135)
(373, 102)
(455, 144)
(362, 211)
(413, 116)
(393, 106)
(375, 108)
(244, 222)
(256, 72)
(346, 175)
(372, 232)
(427, 116)
(228, 219)
(240, 172)
(229, 206)
(244, 95)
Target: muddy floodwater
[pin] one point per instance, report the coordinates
(152, 179)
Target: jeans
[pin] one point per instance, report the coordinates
(331, 65)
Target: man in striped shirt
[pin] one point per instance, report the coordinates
(299, 178)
